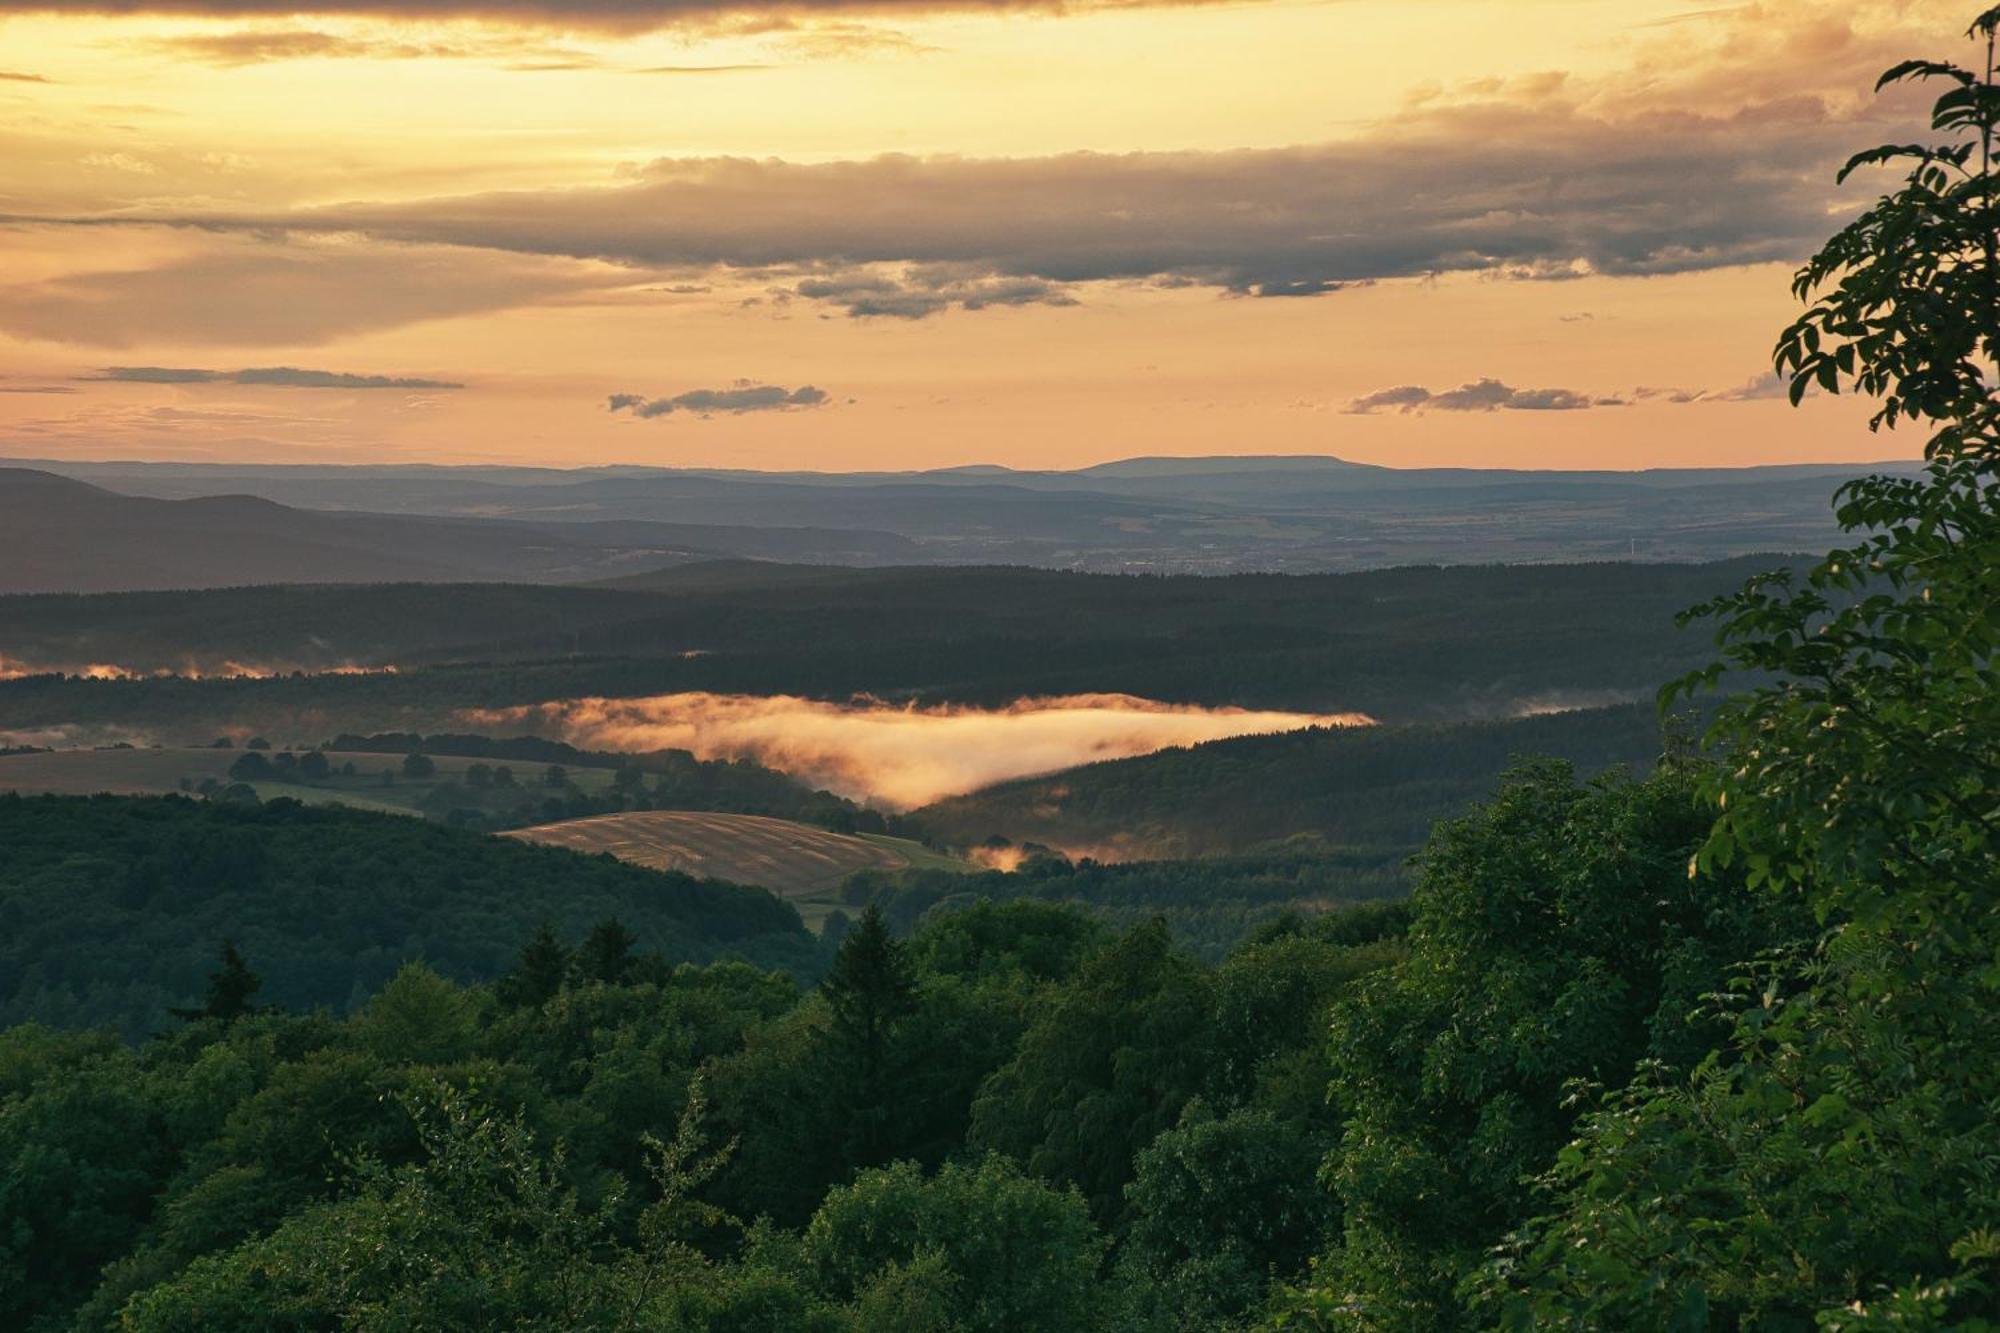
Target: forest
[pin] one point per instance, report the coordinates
(1379, 787)
(1407, 645)
(111, 907)
(1706, 1047)
(1013, 1117)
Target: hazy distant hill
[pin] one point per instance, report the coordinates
(62, 535)
(1203, 515)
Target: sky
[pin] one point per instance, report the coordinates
(839, 235)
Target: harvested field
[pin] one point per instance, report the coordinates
(792, 860)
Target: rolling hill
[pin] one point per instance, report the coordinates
(58, 534)
(1202, 515)
(111, 908)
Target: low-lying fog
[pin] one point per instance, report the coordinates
(13, 668)
(897, 756)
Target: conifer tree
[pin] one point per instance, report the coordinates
(870, 988)
(230, 987)
(538, 974)
(606, 954)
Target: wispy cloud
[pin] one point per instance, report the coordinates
(279, 377)
(1483, 395)
(1492, 395)
(697, 69)
(254, 46)
(742, 396)
(285, 293)
(614, 15)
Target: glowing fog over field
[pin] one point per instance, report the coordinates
(900, 755)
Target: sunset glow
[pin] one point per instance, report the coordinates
(979, 232)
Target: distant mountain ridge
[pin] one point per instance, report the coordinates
(58, 534)
(1288, 514)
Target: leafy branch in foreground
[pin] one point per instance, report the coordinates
(1834, 1165)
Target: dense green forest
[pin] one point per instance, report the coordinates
(110, 907)
(1016, 1118)
(1209, 904)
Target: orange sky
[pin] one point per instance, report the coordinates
(982, 232)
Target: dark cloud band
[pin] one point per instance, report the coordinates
(1542, 193)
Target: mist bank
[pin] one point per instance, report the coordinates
(897, 756)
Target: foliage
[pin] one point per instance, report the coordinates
(1211, 903)
(1005, 1251)
(1106, 1067)
(110, 906)
(1556, 937)
(1216, 1207)
(1833, 1164)
(445, 1157)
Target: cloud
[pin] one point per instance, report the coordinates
(615, 15)
(698, 69)
(1715, 147)
(925, 291)
(1496, 188)
(1552, 400)
(284, 294)
(125, 162)
(899, 756)
(1491, 395)
(16, 76)
(1760, 389)
(253, 46)
(1482, 395)
(1763, 388)
(741, 397)
(283, 377)
(1405, 396)
(257, 46)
